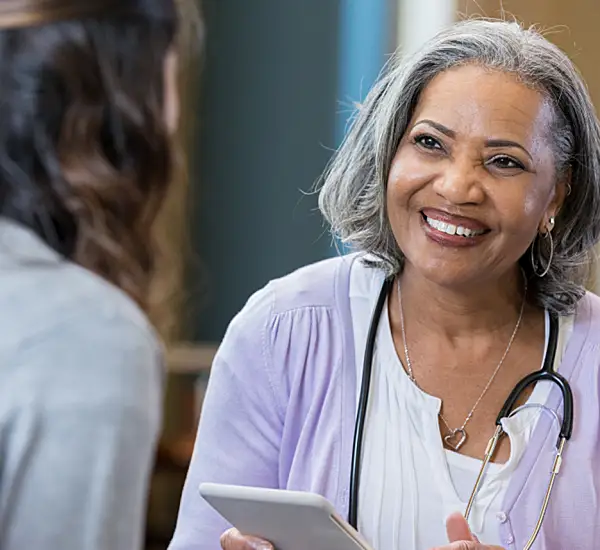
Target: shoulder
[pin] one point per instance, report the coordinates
(74, 340)
(584, 342)
(593, 302)
(308, 298)
(73, 305)
(90, 359)
(325, 287)
(316, 285)
(40, 290)
(297, 320)
(587, 318)
(70, 296)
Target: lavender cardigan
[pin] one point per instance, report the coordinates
(281, 403)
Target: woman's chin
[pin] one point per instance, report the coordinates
(449, 276)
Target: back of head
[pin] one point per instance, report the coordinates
(85, 156)
(354, 190)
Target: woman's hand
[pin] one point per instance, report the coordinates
(460, 536)
(234, 540)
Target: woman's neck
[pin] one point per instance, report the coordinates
(486, 307)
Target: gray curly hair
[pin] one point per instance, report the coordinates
(353, 193)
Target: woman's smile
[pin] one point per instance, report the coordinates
(454, 231)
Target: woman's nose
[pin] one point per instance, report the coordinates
(460, 182)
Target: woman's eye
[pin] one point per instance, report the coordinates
(428, 142)
(505, 162)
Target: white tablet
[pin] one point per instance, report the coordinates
(290, 520)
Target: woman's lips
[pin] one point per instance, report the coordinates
(445, 217)
(454, 231)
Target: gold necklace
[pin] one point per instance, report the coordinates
(456, 438)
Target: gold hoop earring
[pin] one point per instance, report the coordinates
(535, 265)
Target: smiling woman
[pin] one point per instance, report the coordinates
(469, 185)
(539, 80)
(476, 159)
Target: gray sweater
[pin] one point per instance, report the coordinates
(80, 403)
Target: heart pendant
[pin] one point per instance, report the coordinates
(456, 439)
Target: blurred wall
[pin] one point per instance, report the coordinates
(572, 25)
(279, 80)
(268, 94)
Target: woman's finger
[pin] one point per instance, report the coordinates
(458, 529)
(234, 540)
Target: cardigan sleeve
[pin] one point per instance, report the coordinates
(240, 428)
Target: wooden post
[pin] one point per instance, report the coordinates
(172, 226)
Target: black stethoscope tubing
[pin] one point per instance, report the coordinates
(545, 373)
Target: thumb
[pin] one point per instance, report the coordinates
(458, 529)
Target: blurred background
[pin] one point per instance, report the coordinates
(264, 108)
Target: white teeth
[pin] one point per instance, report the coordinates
(452, 229)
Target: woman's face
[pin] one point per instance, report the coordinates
(473, 179)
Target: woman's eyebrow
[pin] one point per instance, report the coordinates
(439, 127)
(507, 143)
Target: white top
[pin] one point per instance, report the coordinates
(80, 403)
(409, 482)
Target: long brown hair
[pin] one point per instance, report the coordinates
(85, 157)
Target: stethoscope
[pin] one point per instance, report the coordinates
(545, 373)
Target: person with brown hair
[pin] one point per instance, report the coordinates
(88, 106)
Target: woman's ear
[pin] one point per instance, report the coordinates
(561, 191)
